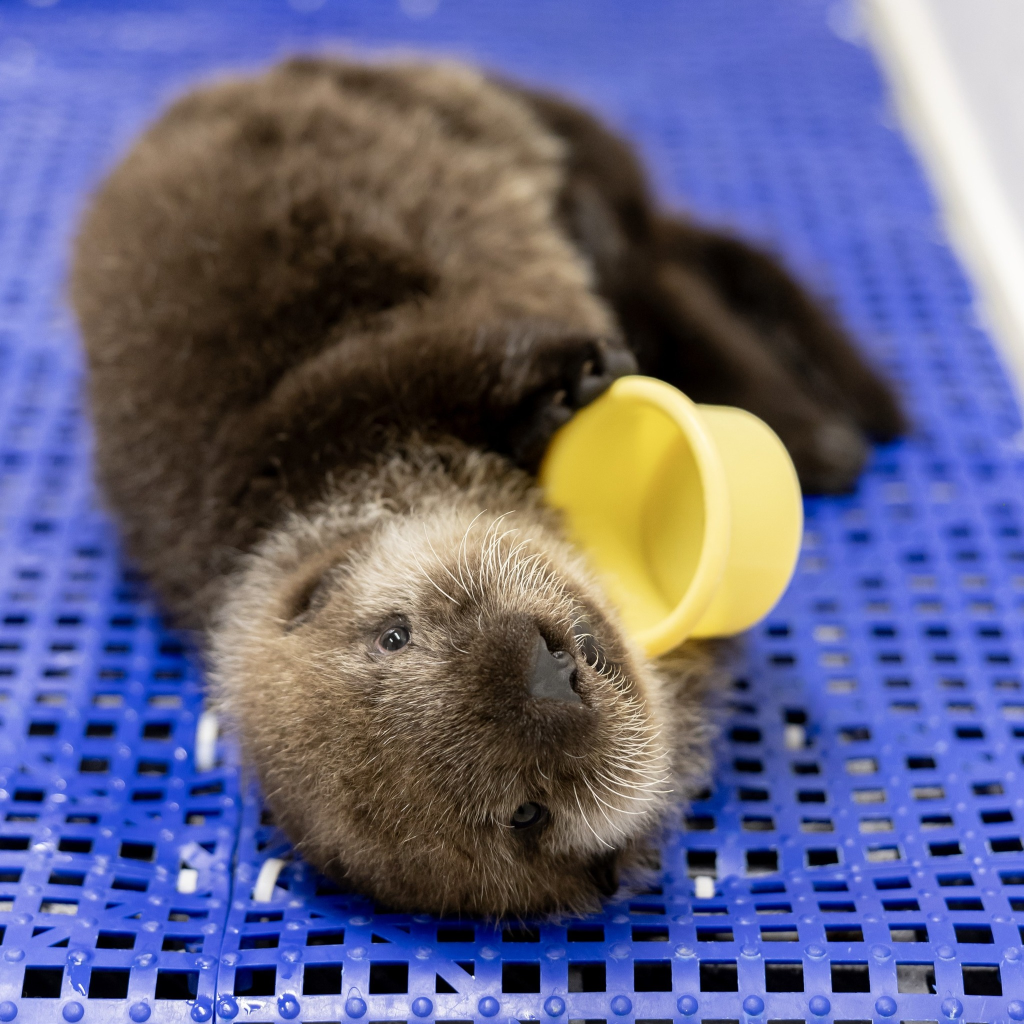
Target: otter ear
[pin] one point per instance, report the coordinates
(308, 587)
(604, 873)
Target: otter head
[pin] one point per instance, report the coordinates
(445, 712)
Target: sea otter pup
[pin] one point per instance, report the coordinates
(333, 314)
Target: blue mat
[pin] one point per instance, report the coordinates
(865, 827)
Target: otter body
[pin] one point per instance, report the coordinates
(333, 315)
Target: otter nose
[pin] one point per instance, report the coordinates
(552, 674)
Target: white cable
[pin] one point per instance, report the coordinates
(704, 887)
(263, 890)
(794, 737)
(206, 742)
(188, 881)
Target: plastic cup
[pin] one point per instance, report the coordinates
(691, 514)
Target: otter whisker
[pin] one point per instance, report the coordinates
(444, 568)
(601, 805)
(430, 580)
(462, 560)
(586, 822)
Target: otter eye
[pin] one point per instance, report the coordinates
(393, 639)
(529, 814)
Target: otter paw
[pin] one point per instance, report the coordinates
(597, 372)
(587, 370)
(828, 456)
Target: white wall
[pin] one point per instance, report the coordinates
(957, 72)
(985, 43)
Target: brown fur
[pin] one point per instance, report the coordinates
(326, 311)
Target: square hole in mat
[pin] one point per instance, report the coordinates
(42, 983)
(960, 878)
(837, 907)
(952, 880)
(520, 933)
(965, 903)
(996, 817)
(455, 933)
(1007, 844)
(520, 976)
(69, 845)
(185, 984)
(844, 933)
(648, 908)
(441, 985)
(14, 842)
(130, 884)
(701, 862)
(915, 978)
(762, 862)
(718, 976)
(720, 934)
(201, 915)
(779, 935)
(652, 976)
(650, 934)
(115, 940)
(389, 978)
(908, 933)
(66, 907)
(987, 788)
(335, 937)
(818, 857)
(187, 944)
(107, 983)
(700, 823)
(255, 981)
(321, 980)
(976, 933)
(587, 976)
(589, 933)
(783, 976)
(66, 878)
(772, 908)
(137, 851)
(850, 977)
(982, 980)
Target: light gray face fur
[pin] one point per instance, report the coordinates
(433, 775)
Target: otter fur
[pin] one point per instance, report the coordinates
(332, 315)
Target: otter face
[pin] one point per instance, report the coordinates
(445, 714)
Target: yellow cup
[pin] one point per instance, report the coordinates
(691, 514)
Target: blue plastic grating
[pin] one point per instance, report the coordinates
(99, 801)
(864, 833)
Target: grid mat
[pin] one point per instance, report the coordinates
(864, 832)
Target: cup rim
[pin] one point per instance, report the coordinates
(638, 390)
(672, 630)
